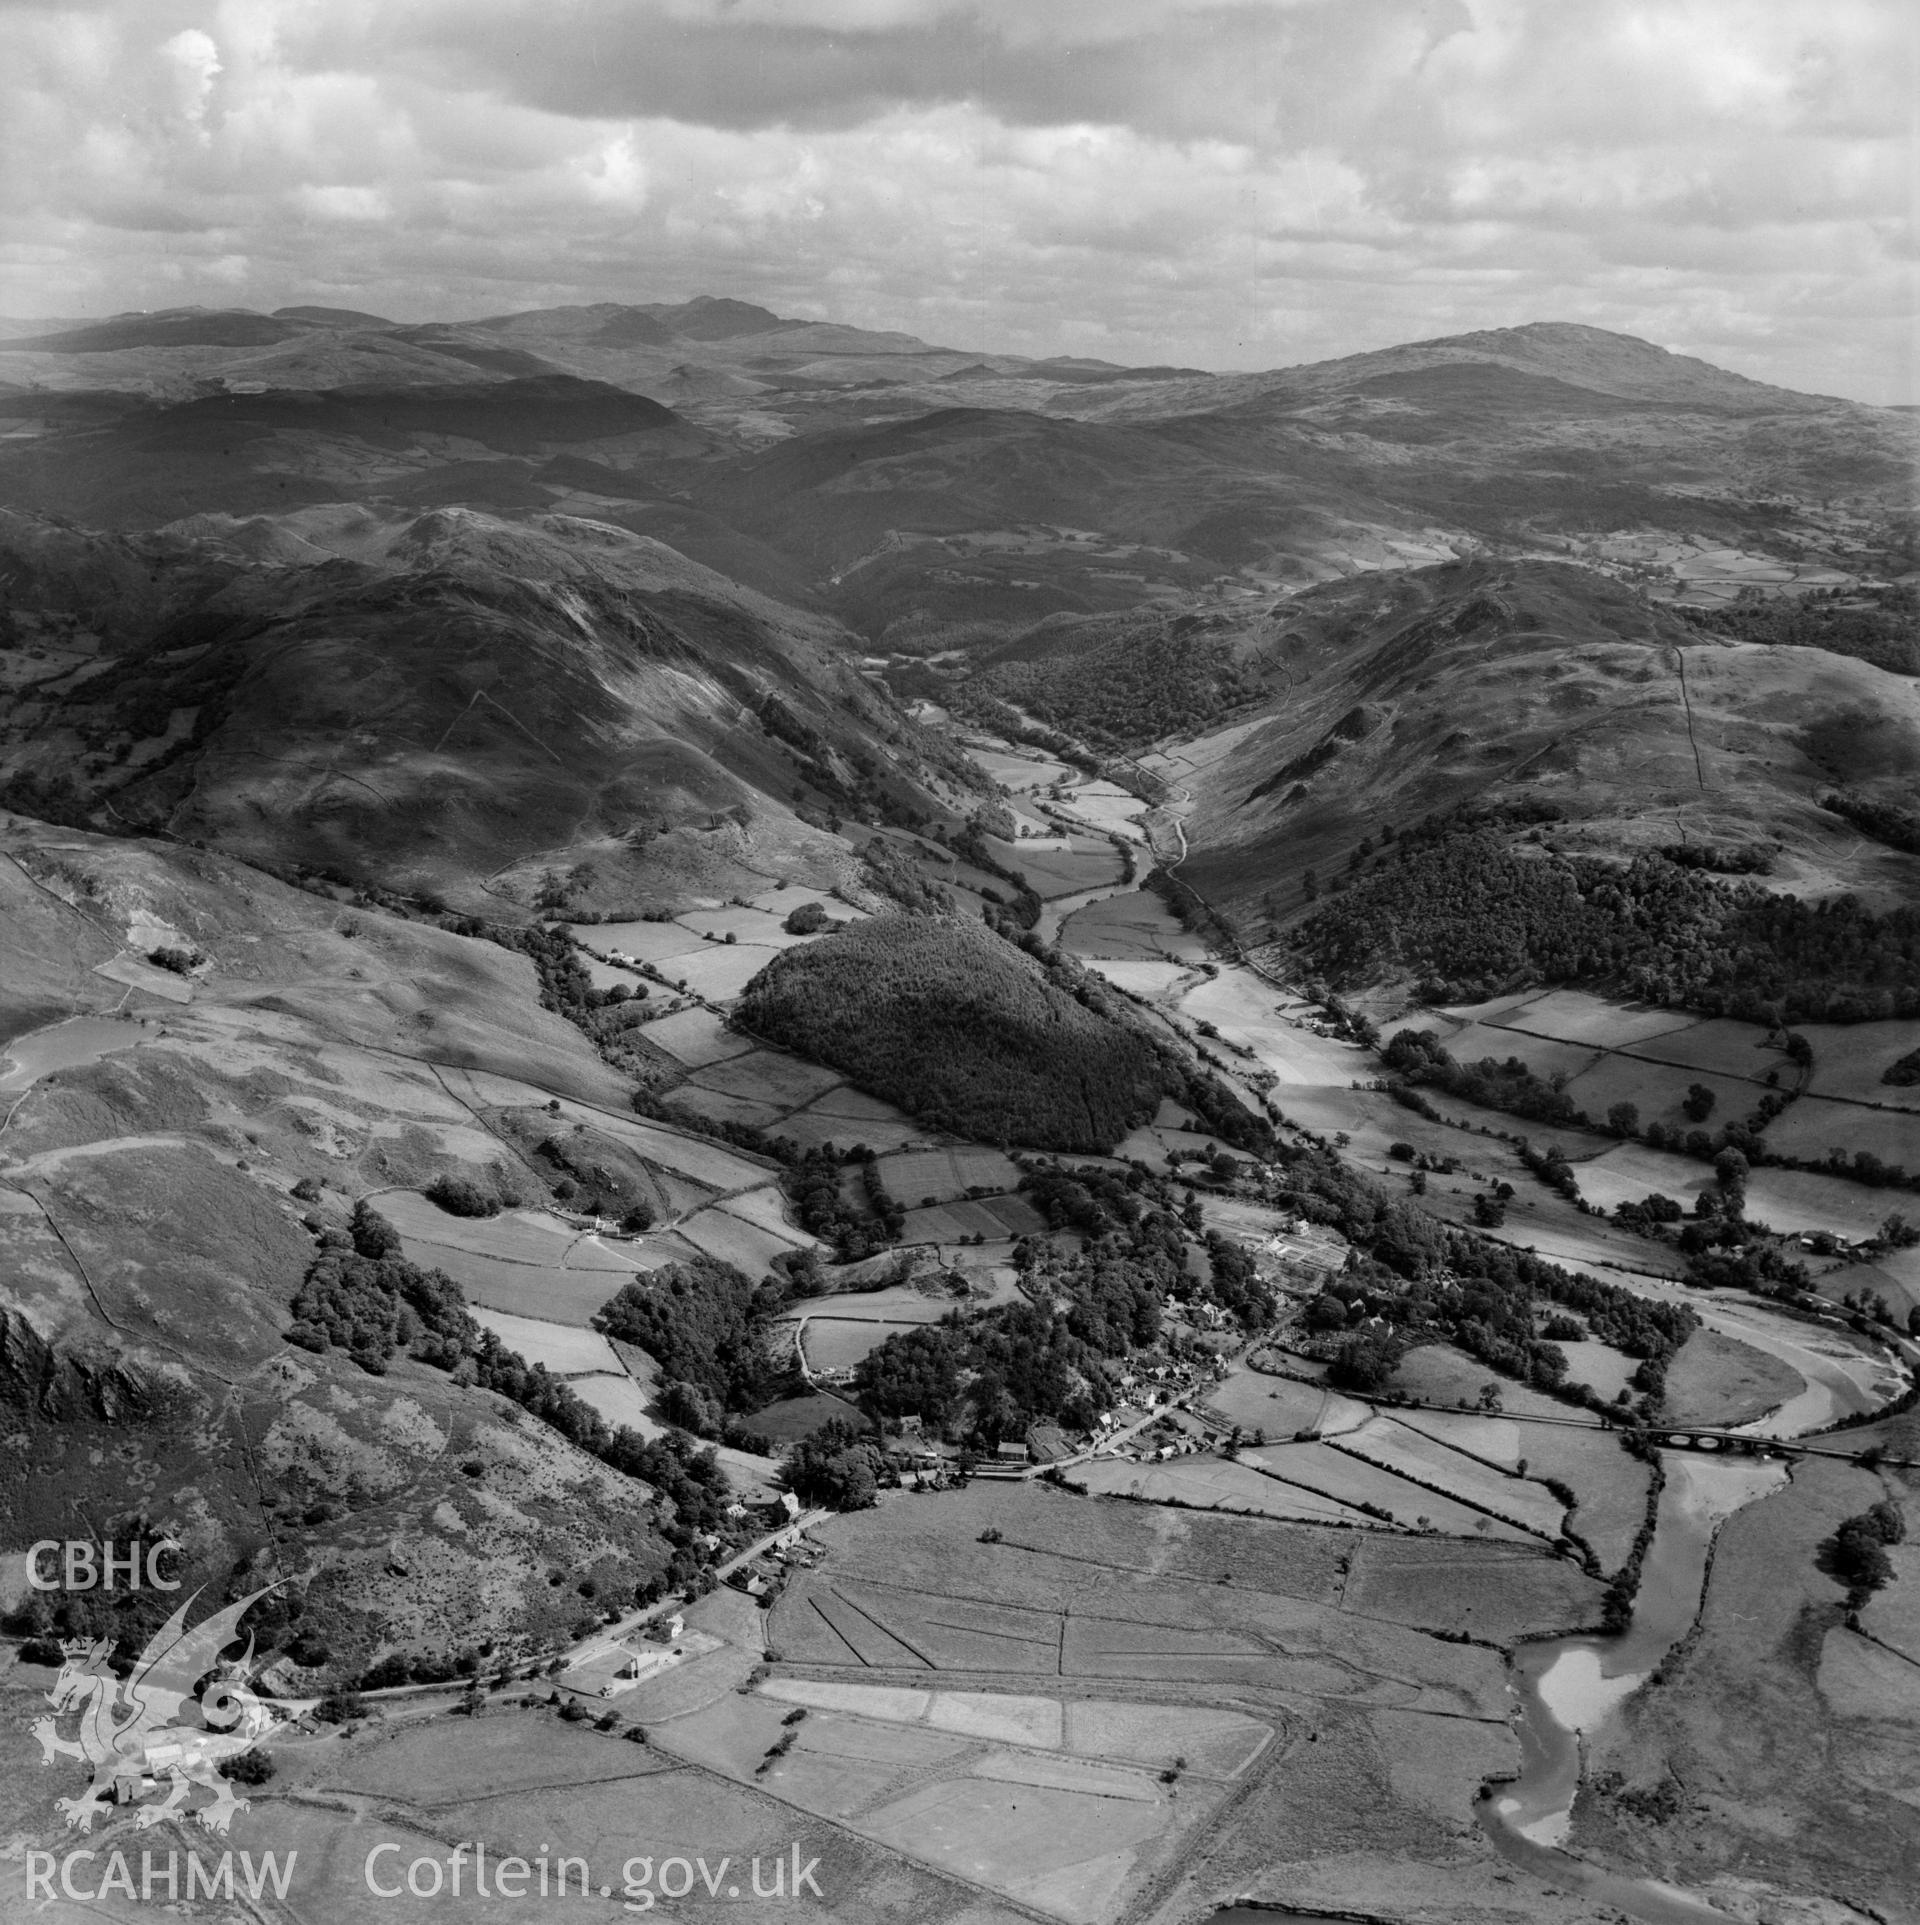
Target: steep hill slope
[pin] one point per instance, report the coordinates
(437, 701)
(1552, 694)
(152, 1245)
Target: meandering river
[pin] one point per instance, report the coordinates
(1571, 1688)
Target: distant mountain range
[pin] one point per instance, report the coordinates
(560, 554)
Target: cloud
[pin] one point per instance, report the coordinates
(1216, 182)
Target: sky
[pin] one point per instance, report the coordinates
(1215, 183)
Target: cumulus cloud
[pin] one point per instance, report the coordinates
(1216, 182)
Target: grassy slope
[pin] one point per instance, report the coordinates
(144, 1360)
(1395, 697)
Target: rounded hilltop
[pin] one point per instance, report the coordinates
(962, 1030)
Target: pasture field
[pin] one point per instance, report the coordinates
(1333, 1473)
(649, 942)
(813, 1128)
(1715, 1379)
(1609, 1486)
(943, 1175)
(1213, 1743)
(756, 924)
(1438, 1374)
(1060, 865)
(995, 1218)
(1074, 1546)
(1109, 808)
(1657, 1090)
(1279, 1406)
(835, 1343)
(696, 1037)
(718, 972)
(543, 1292)
(1630, 1171)
(694, 1099)
(1493, 1591)
(1136, 926)
(1598, 1365)
(898, 1304)
(1895, 1277)
(696, 1157)
(1152, 979)
(792, 1418)
(1850, 1058)
(1893, 1614)
(1723, 1045)
(1498, 1440)
(769, 1076)
(1151, 1145)
(567, 1352)
(606, 975)
(1816, 1124)
(1573, 1016)
(620, 1401)
(1411, 1454)
(1795, 1200)
(1020, 772)
(516, 1236)
(1476, 1041)
(734, 1240)
(856, 1106)
(1205, 1483)
(1179, 1597)
(768, 1208)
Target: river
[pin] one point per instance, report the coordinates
(1570, 1688)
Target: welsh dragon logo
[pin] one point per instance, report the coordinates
(177, 1716)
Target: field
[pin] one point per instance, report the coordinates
(718, 972)
(1720, 1044)
(769, 1076)
(836, 1343)
(735, 1240)
(1060, 865)
(1411, 1454)
(1896, 1277)
(1439, 1375)
(1572, 1016)
(1893, 1615)
(1279, 1406)
(1849, 1060)
(905, 1589)
(1630, 1171)
(523, 1264)
(1816, 1124)
(1472, 1042)
(1597, 1365)
(1609, 1485)
(695, 1037)
(1206, 1483)
(939, 1176)
(1346, 1478)
(796, 1417)
(620, 1401)
(1657, 1090)
(648, 942)
(1794, 1200)
(1138, 925)
(820, 1124)
(993, 1218)
(565, 1351)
